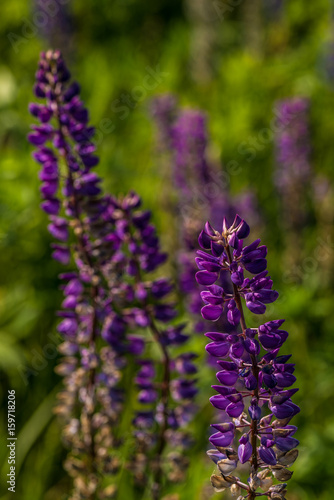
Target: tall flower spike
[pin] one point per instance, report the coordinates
(200, 186)
(250, 380)
(109, 301)
(92, 399)
(166, 387)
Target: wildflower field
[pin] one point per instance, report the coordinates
(167, 249)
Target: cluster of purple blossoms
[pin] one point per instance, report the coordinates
(201, 188)
(189, 142)
(249, 381)
(112, 311)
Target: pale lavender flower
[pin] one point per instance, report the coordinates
(201, 187)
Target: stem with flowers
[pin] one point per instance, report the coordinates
(267, 445)
(113, 246)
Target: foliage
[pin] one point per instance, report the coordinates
(112, 46)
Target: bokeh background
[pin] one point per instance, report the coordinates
(234, 60)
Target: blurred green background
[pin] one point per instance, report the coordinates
(234, 60)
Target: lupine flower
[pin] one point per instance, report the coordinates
(165, 391)
(189, 143)
(254, 391)
(110, 303)
(200, 186)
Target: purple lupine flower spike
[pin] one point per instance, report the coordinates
(201, 189)
(110, 302)
(91, 401)
(255, 379)
(166, 389)
(189, 143)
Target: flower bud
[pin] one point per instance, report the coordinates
(226, 466)
(219, 483)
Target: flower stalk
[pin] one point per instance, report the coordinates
(267, 444)
(109, 305)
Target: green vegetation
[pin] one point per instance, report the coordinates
(250, 62)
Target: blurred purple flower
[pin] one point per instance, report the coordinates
(114, 247)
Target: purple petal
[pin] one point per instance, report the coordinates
(217, 336)
(284, 410)
(74, 287)
(270, 341)
(206, 278)
(147, 396)
(285, 379)
(254, 412)
(225, 427)
(227, 378)
(68, 327)
(233, 316)
(255, 306)
(224, 391)
(204, 240)
(286, 443)
(229, 366)
(283, 396)
(219, 439)
(219, 401)
(243, 230)
(58, 228)
(251, 382)
(51, 206)
(209, 230)
(267, 455)
(252, 346)
(215, 455)
(218, 349)
(62, 254)
(257, 266)
(237, 350)
(212, 267)
(211, 313)
(234, 410)
(244, 452)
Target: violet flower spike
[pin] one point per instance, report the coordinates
(91, 402)
(200, 190)
(168, 401)
(114, 247)
(249, 381)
